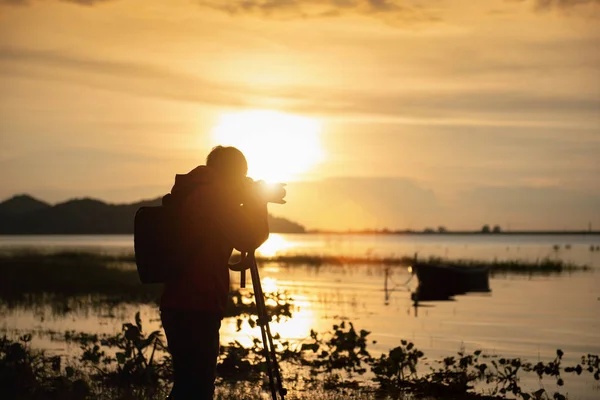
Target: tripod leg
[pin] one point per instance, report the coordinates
(262, 322)
(281, 389)
(260, 299)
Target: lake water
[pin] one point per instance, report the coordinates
(523, 316)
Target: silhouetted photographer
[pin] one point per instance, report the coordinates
(210, 211)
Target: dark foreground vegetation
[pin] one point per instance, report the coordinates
(336, 365)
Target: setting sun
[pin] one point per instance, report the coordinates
(279, 147)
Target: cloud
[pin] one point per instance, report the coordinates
(393, 12)
(355, 203)
(461, 106)
(526, 207)
(543, 4)
(564, 5)
(389, 10)
(401, 203)
(28, 2)
(469, 103)
(122, 76)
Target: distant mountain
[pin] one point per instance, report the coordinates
(24, 214)
(21, 204)
(282, 225)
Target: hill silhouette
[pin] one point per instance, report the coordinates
(24, 214)
(21, 204)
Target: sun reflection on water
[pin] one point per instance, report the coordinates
(294, 329)
(269, 285)
(274, 245)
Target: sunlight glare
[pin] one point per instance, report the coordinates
(269, 285)
(274, 245)
(297, 328)
(279, 147)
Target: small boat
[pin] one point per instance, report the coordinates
(439, 281)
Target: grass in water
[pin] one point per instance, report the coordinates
(71, 274)
(133, 364)
(72, 262)
(62, 279)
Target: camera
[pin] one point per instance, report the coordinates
(268, 192)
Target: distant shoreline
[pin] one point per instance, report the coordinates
(350, 233)
(460, 233)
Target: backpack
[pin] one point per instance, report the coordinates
(157, 243)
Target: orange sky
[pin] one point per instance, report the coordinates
(454, 113)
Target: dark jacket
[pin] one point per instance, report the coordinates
(213, 223)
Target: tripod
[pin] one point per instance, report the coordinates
(248, 261)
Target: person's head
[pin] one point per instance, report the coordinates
(228, 162)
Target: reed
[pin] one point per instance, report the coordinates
(82, 273)
(544, 266)
(71, 274)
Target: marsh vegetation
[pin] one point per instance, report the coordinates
(134, 364)
(80, 273)
(338, 363)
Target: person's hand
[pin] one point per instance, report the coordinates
(271, 192)
(241, 265)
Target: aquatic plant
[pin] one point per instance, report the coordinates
(242, 304)
(27, 374)
(115, 276)
(543, 266)
(394, 370)
(61, 273)
(135, 365)
(342, 349)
